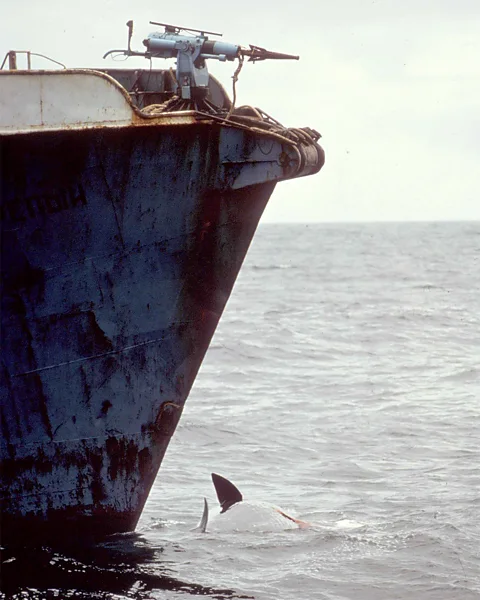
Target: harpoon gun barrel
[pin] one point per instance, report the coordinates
(257, 53)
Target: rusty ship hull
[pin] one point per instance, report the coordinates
(120, 247)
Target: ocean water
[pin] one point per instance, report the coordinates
(342, 384)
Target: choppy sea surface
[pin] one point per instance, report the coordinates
(342, 384)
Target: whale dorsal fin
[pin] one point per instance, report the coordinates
(202, 526)
(227, 493)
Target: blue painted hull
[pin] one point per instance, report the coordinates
(119, 251)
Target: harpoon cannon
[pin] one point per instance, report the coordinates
(192, 49)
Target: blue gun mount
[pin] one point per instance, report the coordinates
(191, 51)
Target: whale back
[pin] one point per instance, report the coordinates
(236, 514)
(251, 516)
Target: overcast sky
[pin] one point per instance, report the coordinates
(392, 85)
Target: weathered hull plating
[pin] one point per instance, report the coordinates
(120, 249)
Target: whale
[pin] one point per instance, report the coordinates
(238, 514)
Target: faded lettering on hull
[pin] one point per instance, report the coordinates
(20, 210)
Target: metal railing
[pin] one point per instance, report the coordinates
(11, 57)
